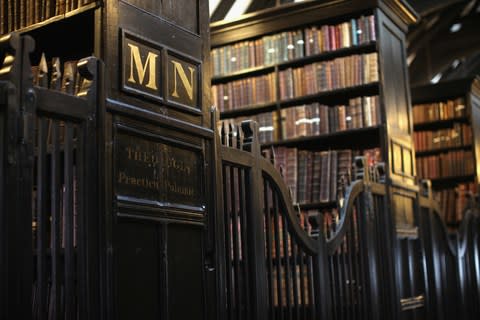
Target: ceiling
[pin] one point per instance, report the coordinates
(443, 45)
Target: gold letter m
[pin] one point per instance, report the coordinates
(136, 60)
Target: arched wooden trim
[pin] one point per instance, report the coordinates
(346, 214)
(269, 172)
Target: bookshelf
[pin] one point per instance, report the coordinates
(154, 78)
(445, 136)
(321, 78)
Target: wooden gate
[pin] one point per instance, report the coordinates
(49, 194)
(272, 267)
(16, 109)
(453, 266)
(353, 249)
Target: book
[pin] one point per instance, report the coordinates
(442, 110)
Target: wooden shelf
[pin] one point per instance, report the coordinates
(318, 205)
(347, 139)
(38, 25)
(249, 110)
(324, 56)
(327, 97)
(449, 182)
(442, 150)
(330, 55)
(245, 73)
(439, 124)
(336, 96)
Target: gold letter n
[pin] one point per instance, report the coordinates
(136, 61)
(178, 69)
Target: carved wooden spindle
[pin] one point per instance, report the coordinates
(231, 133)
(43, 72)
(361, 169)
(87, 67)
(250, 134)
(223, 133)
(239, 137)
(56, 79)
(425, 187)
(272, 155)
(380, 169)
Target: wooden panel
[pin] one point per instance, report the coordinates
(475, 108)
(393, 68)
(138, 261)
(402, 159)
(182, 13)
(403, 211)
(185, 272)
(158, 171)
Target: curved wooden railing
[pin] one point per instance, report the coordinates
(453, 266)
(272, 264)
(352, 250)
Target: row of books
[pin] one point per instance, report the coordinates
(459, 135)
(435, 111)
(454, 201)
(315, 119)
(324, 76)
(289, 45)
(17, 14)
(344, 35)
(310, 79)
(267, 50)
(245, 92)
(318, 176)
(450, 164)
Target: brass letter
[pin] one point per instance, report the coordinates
(136, 60)
(177, 67)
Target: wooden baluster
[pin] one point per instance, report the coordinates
(269, 244)
(68, 211)
(55, 200)
(42, 221)
(228, 239)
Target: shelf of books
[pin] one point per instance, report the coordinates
(26, 15)
(314, 86)
(445, 142)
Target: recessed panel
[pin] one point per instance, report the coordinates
(185, 268)
(182, 13)
(165, 173)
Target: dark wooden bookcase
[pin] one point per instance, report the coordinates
(391, 134)
(446, 138)
(155, 151)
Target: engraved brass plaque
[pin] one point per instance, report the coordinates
(159, 172)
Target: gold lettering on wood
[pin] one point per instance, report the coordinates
(150, 63)
(178, 70)
(164, 164)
